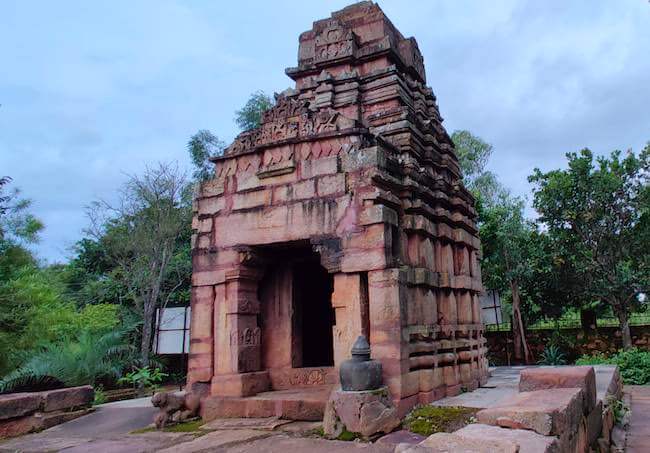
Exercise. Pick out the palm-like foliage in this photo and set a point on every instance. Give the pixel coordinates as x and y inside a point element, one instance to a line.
<point>86,360</point>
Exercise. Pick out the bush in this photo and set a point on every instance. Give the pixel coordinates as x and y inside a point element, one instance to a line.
<point>90,359</point>
<point>634,364</point>
<point>552,355</point>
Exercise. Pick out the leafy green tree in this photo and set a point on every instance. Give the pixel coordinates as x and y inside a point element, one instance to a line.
<point>599,210</point>
<point>250,115</point>
<point>203,146</point>
<point>473,155</point>
<point>505,239</point>
<point>18,229</point>
<point>146,239</point>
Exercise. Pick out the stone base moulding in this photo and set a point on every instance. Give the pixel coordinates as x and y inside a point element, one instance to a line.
<point>240,384</point>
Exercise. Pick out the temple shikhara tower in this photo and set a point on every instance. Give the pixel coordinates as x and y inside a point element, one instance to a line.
<point>342,214</point>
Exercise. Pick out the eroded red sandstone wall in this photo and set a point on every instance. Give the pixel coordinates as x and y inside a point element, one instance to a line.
<point>355,161</point>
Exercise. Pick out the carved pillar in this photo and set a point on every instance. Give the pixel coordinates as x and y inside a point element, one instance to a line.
<point>237,335</point>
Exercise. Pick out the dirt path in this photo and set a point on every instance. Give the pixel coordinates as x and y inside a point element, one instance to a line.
<point>638,436</point>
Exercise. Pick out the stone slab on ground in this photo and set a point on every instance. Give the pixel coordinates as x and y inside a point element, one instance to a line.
<point>283,443</point>
<point>217,439</point>
<point>300,427</point>
<point>547,412</point>
<point>528,441</point>
<point>451,442</point>
<point>265,424</point>
<point>401,437</point>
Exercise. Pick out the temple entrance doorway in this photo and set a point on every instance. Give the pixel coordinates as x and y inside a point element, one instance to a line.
<point>313,313</point>
<point>296,314</point>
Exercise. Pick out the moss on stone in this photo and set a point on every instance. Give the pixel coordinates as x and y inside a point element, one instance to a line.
<point>348,435</point>
<point>426,420</point>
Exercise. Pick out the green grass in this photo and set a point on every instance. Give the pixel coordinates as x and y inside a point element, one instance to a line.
<point>348,436</point>
<point>185,427</point>
<point>426,420</point>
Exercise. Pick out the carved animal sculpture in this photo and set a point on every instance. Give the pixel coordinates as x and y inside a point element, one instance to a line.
<point>175,407</point>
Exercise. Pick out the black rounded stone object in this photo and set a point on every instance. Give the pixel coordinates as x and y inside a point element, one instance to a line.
<point>360,373</point>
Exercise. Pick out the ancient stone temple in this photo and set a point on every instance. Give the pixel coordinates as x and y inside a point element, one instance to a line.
<point>342,214</point>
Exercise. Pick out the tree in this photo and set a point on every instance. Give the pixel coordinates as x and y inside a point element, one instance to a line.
<point>146,235</point>
<point>250,115</point>
<point>473,154</point>
<point>505,239</point>
<point>599,210</point>
<point>17,225</point>
<point>203,146</point>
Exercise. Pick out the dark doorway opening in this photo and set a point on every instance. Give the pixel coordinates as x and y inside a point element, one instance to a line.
<point>296,315</point>
<point>313,313</point>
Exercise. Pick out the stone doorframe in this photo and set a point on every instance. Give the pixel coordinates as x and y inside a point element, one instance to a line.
<point>238,337</point>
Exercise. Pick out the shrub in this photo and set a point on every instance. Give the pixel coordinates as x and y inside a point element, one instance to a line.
<point>552,355</point>
<point>89,359</point>
<point>143,377</point>
<point>634,364</point>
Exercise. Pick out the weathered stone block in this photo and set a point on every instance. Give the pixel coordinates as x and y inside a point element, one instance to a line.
<point>68,398</point>
<point>367,413</point>
<point>17,404</point>
<point>561,377</point>
<point>527,441</point>
<point>547,412</point>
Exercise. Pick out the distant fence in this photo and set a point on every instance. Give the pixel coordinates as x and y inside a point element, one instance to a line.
<point>573,322</point>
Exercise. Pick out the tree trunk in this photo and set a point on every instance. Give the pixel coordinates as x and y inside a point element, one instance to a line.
<point>588,320</point>
<point>521,351</point>
<point>147,326</point>
<point>624,321</point>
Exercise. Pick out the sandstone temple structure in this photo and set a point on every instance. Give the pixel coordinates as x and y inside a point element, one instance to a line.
<point>342,214</point>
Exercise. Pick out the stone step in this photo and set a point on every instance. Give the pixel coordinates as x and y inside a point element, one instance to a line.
<point>306,404</point>
<point>547,412</point>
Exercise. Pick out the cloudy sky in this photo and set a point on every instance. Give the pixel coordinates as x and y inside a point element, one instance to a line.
<point>93,91</point>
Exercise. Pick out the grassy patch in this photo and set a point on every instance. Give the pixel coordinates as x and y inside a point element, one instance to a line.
<point>148,429</point>
<point>426,420</point>
<point>185,427</point>
<point>348,436</point>
<point>192,426</point>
